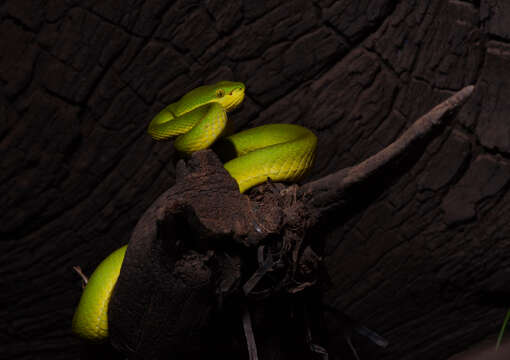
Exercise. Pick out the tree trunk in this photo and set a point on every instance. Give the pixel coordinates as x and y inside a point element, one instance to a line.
<point>418,256</point>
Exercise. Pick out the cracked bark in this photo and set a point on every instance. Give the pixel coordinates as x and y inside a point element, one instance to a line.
<point>421,251</point>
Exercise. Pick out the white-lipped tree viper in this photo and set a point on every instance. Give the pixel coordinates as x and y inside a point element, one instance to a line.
<point>282,152</point>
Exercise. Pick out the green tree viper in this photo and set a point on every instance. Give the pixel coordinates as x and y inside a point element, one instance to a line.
<point>282,152</point>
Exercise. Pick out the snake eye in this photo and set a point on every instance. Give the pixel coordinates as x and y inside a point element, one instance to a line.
<point>220,93</point>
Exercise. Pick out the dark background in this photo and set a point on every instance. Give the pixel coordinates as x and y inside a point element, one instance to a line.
<point>425,262</point>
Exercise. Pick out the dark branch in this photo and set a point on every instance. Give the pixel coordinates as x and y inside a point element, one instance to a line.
<point>326,193</point>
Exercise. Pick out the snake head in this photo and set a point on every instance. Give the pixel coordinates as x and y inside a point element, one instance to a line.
<point>228,94</point>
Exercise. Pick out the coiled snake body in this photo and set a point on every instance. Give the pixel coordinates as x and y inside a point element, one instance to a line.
<point>282,152</point>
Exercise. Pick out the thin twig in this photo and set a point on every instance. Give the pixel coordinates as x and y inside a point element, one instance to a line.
<point>265,265</point>
<point>248,333</point>
<point>315,348</point>
<point>84,278</point>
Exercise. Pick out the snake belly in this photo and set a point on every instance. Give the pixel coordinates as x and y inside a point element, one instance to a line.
<point>281,152</point>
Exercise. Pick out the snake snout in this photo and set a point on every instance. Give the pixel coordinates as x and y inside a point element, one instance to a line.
<point>239,89</point>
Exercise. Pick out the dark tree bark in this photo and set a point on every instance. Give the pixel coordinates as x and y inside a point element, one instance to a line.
<point>420,257</point>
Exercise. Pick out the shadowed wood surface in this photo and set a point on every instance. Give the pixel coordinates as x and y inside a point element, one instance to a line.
<point>422,260</point>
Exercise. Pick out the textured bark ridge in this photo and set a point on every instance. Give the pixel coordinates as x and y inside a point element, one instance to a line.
<point>195,246</point>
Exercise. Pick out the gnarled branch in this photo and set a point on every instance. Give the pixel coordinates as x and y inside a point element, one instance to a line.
<point>324,194</point>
